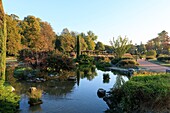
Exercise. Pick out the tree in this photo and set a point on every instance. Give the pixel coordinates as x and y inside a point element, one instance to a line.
<point>78,46</point>
<point>142,48</point>
<point>161,43</point>
<point>13,35</point>
<point>108,48</point>
<point>46,39</point>
<point>2,42</point>
<point>82,41</point>
<point>65,42</point>
<point>100,46</point>
<point>120,46</point>
<point>30,31</point>
<point>89,39</point>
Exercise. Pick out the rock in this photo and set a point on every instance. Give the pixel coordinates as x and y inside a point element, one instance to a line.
<point>101,93</point>
<point>31,89</point>
<point>12,89</point>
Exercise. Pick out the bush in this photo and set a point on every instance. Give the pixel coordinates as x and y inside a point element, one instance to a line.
<point>9,101</point>
<point>35,96</point>
<point>115,61</point>
<point>56,63</point>
<point>102,65</point>
<point>85,59</point>
<point>22,72</point>
<point>149,57</point>
<point>149,92</point>
<point>151,53</point>
<point>164,58</point>
<point>127,63</point>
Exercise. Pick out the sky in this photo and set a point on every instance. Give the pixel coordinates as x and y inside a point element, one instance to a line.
<point>138,20</point>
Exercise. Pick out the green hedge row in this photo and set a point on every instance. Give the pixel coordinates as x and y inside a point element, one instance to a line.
<point>149,93</point>
<point>164,58</point>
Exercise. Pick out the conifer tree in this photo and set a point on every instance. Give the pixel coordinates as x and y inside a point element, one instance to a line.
<point>2,42</point>
<point>78,46</point>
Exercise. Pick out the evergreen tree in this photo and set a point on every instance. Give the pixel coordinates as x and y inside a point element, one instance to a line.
<point>78,47</point>
<point>2,42</point>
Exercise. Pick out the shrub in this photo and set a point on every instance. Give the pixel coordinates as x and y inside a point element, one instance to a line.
<point>164,58</point>
<point>56,63</point>
<point>149,92</point>
<point>35,96</point>
<point>85,59</point>
<point>22,72</point>
<point>151,53</point>
<point>9,101</point>
<point>115,61</point>
<point>149,57</point>
<point>127,63</point>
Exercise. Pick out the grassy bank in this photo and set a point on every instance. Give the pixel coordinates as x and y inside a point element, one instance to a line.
<point>143,93</point>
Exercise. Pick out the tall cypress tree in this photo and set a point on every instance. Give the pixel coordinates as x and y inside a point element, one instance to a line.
<point>2,42</point>
<point>78,46</point>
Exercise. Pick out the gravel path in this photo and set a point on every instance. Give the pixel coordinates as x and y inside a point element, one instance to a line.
<point>151,66</point>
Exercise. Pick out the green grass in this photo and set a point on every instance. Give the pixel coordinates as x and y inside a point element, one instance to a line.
<point>160,63</point>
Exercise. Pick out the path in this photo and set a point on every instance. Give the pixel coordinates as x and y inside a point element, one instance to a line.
<point>152,66</point>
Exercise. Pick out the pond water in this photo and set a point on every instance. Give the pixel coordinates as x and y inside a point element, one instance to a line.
<point>68,96</point>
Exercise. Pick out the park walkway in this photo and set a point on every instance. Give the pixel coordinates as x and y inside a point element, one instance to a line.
<point>151,66</point>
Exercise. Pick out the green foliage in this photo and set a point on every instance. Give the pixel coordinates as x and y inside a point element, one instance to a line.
<point>30,31</point>
<point>66,42</point>
<point>141,91</point>
<point>115,61</point>
<point>56,63</point>
<point>85,59</point>
<point>164,59</point>
<point>22,72</point>
<point>9,101</point>
<point>108,48</point>
<point>78,46</point>
<point>151,53</point>
<point>150,57</point>
<point>127,64</point>
<point>89,39</point>
<point>120,46</point>
<point>160,43</point>
<point>100,46</point>
<point>13,35</point>
<point>102,65</point>
<point>3,35</point>
<point>35,96</point>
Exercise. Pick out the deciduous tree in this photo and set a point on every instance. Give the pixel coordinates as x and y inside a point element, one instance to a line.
<point>120,46</point>
<point>100,46</point>
<point>13,35</point>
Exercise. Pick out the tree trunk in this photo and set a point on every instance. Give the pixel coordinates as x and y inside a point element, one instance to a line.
<point>2,42</point>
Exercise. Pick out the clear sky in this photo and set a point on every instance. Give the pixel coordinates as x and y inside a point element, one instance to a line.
<point>139,20</point>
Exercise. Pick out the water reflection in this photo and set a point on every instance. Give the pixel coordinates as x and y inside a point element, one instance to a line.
<point>67,96</point>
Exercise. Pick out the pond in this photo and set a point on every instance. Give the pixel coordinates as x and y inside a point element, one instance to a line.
<point>68,96</point>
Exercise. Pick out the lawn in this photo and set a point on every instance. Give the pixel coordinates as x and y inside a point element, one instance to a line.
<point>160,63</point>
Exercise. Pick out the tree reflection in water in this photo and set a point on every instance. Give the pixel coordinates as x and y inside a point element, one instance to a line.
<point>53,87</point>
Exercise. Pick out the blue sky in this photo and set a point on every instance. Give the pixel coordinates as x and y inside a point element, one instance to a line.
<point>139,20</point>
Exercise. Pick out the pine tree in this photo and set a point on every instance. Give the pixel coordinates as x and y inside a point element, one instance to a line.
<point>2,42</point>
